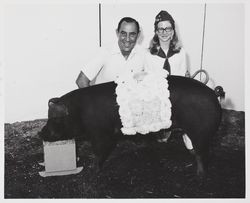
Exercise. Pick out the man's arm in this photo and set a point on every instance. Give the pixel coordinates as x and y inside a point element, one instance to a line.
<point>91,69</point>
<point>82,80</point>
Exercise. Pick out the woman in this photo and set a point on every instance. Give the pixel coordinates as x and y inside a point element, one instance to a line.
<point>166,52</point>
<point>165,49</point>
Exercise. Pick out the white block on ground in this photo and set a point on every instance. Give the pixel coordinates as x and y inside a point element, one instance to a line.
<point>60,158</point>
<point>60,173</point>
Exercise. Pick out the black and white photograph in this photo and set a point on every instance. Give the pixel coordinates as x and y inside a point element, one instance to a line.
<point>123,100</point>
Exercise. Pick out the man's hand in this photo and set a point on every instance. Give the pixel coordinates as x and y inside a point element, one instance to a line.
<point>82,80</point>
<point>139,76</point>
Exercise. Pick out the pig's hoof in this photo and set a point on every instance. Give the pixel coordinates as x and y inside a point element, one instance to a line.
<point>163,138</point>
<point>95,168</point>
<point>191,151</point>
<point>95,171</point>
<point>201,175</point>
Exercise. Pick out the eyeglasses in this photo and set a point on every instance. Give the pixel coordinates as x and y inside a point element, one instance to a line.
<point>166,29</point>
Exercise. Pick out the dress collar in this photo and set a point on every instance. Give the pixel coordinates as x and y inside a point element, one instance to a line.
<point>170,53</point>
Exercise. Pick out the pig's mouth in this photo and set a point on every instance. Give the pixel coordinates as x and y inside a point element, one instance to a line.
<point>54,130</point>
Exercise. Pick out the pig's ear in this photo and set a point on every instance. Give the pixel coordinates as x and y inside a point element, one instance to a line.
<point>57,109</point>
<point>53,101</point>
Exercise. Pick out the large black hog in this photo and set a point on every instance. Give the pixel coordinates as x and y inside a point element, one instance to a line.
<point>92,112</point>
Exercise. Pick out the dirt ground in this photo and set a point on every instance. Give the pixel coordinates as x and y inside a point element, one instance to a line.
<point>133,169</point>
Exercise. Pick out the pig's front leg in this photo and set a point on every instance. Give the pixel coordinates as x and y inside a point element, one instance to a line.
<point>103,143</point>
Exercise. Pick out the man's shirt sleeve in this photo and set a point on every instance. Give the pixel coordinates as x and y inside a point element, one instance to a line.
<point>95,64</point>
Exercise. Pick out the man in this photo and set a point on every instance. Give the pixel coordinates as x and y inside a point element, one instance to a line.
<point>123,56</point>
<point>110,63</point>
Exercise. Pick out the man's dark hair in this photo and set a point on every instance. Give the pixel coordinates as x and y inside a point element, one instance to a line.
<point>128,20</point>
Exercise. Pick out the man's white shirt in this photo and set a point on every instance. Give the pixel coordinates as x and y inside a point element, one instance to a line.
<point>109,63</point>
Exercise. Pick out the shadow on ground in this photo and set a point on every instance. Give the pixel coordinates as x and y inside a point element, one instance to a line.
<point>134,170</point>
